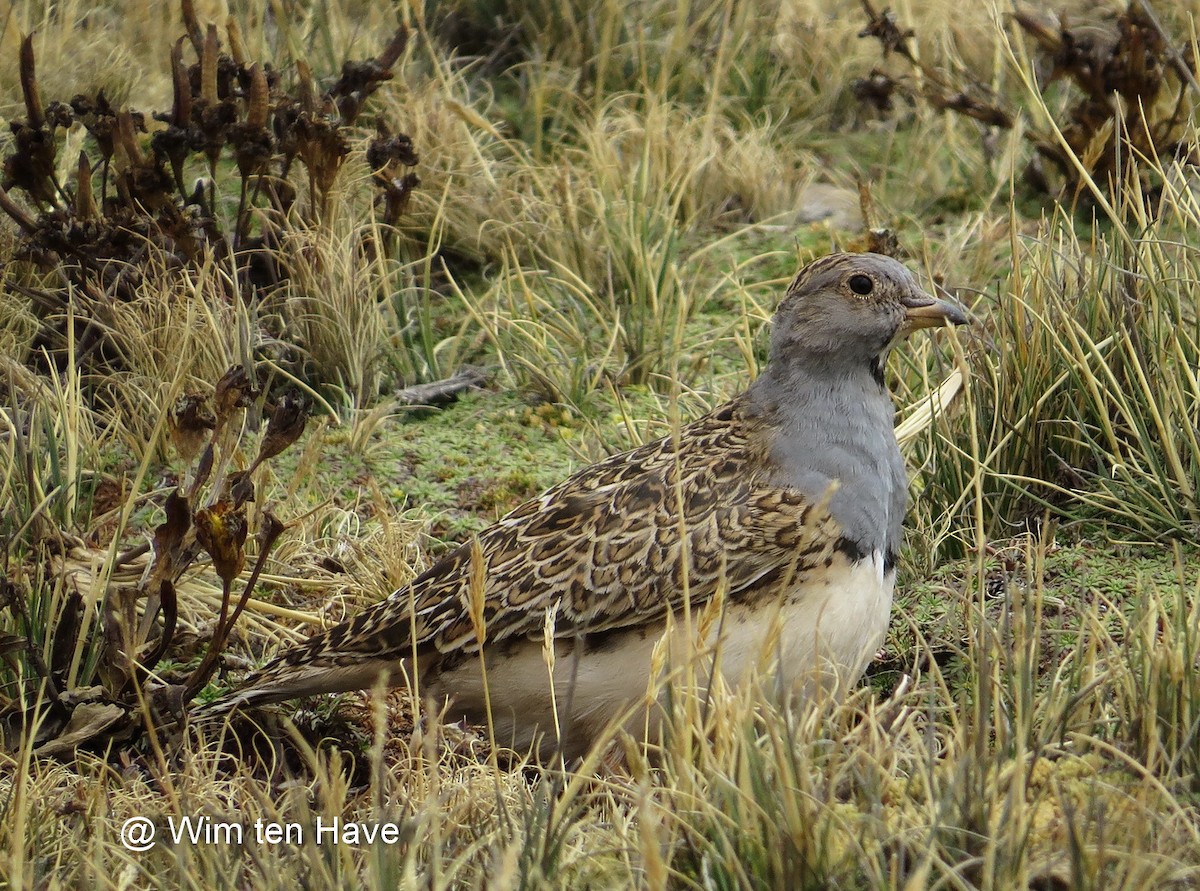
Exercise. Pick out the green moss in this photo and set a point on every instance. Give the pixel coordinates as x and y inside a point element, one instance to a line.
<point>468,463</point>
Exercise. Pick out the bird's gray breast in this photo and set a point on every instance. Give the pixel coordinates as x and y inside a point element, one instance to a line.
<point>844,432</point>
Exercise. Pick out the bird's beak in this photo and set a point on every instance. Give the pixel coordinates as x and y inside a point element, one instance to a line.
<point>923,311</point>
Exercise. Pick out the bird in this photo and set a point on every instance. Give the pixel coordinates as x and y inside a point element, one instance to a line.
<point>783,505</point>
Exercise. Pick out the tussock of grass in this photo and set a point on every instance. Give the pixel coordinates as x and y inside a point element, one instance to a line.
<point>1088,403</point>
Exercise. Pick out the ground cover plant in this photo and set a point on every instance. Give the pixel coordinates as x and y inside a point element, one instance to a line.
<point>293,297</point>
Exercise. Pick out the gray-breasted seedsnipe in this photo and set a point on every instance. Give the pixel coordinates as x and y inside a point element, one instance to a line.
<point>788,499</point>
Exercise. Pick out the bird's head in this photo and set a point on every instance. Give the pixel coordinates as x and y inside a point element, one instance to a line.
<point>848,309</point>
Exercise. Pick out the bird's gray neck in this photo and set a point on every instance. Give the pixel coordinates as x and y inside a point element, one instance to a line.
<point>834,421</point>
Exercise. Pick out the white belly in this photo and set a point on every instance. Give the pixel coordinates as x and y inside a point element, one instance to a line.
<point>821,636</point>
<point>828,629</point>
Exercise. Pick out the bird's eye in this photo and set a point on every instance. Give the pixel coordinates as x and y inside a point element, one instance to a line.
<point>861,284</point>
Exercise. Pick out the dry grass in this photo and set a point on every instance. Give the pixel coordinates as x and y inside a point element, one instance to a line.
<point>607,212</point>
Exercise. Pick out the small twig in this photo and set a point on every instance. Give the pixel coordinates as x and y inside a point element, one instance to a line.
<point>170,605</point>
<point>132,554</point>
<point>19,216</point>
<point>469,377</point>
<point>266,540</point>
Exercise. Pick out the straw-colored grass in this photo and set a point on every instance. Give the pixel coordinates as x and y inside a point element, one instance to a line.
<point>610,205</point>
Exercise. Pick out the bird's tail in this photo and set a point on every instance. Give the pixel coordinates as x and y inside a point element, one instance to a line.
<point>281,680</point>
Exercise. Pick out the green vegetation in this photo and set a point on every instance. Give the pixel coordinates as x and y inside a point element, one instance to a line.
<point>609,207</point>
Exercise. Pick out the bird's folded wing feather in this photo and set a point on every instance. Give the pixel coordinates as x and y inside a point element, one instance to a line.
<point>609,546</point>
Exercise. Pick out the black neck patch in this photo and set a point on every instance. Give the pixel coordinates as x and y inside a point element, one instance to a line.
<point>850,548</point>
<point>889,561</point>
<point>856,553</point>
<point>877,370</point>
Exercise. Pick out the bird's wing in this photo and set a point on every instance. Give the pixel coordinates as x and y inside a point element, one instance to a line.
<point>609,547</point>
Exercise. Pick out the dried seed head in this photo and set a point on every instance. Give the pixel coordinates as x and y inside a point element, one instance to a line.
<point>192,23</point>
<point>308,90</point>
<point>85,200</point>
<point>29,85</point>
<point>395,48</point>
<point>233,391</point>
<point>387,155</point>
<point>241,487</point>
<point>181,110</point>
<point>31,166</point>
<point>168,535</point>
<point>59,114</point>
<point>285,427</point>
<point>237,48</point>
<point>477,586</point>
<point>208,66</point>
<point>257,103</point>
<point>251,140</point>
<point>387,149</point>
<point>269,529</point>
<point>127,141</point>
<point>99,118</point>
<point>190,421</point>
<point>221,531</point>
<point>876,90</point>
